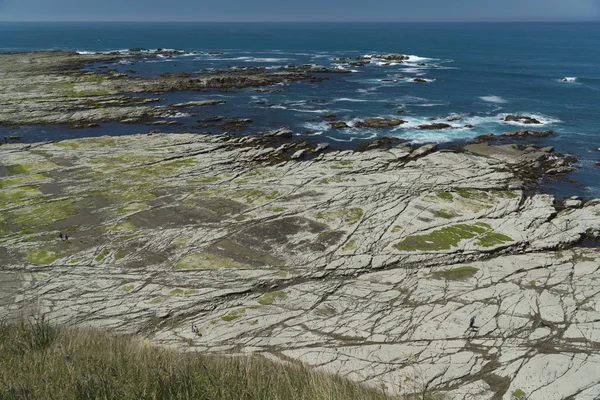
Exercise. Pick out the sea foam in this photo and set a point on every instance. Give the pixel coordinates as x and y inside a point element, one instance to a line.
<point>493,99</point>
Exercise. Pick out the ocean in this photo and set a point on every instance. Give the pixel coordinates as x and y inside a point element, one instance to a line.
<point>474,75</point>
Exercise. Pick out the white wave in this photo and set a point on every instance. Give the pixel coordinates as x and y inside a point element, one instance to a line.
<point>352,100</point>
<point>280,107</point>
<point>85,52</point>
<point>493,99</point>
<point>429,104</point>
<point>412,70</point>
<point>569,79</point>
<point>267,60</point>
<point>418,59</point>
<point>310,111</point>
<point>317,126</point>
<point>543,119</point>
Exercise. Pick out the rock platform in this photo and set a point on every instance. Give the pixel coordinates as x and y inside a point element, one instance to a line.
<point>364,264</point>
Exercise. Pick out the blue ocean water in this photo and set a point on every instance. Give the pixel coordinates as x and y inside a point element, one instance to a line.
<point>478,72</point>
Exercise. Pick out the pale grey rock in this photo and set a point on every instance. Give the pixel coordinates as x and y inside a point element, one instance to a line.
<point>369,265</point>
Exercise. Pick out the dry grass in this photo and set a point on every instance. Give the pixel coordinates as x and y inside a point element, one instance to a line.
<point>39,361</point>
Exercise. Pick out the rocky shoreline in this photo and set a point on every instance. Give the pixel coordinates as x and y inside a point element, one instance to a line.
<point>366,263</point>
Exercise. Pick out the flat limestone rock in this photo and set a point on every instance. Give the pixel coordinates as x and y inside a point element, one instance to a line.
<point>367,264</point>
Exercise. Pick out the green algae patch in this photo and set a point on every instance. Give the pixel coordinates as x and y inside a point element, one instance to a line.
<point>208,261</point>
<point>120,254</point>
<point>446,196</point>
<point>450,236</point>
<point>19,193</point>
<point>124,226</point>
<point>162,169</point>
<point>455,274</point>
<point>102,255</point>
<point>255,195</point>
<point>29,179</point>
<point>254,322</point>
<point>518,394</point>
<point>206,179</point>
<point>491,239</point>
<point>18,169</point>
<point>3,227</point>
<point>133,208</point>
<point>446,214</point>
<point>233,315</point>
<point>126,288</point>
<point>182,241</point>
<point>267,299</point>
<point>43,215</point>
<point>176,292</point>
<point>396,228</point>
<point>325,312</point>
<point>158,300</point>
<point>351,245</point>
<point>42,257</point>
<point>345,164</point>
<point>349,215</point>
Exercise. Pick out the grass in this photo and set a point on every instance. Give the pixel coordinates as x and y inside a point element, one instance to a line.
<point>39,361</point>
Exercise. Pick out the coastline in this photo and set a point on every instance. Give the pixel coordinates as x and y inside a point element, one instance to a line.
<point>368,264</point>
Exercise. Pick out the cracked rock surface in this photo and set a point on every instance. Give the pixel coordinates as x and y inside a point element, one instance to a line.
<point>369,265</point>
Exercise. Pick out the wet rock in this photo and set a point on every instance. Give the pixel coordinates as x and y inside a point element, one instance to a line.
<point>320,147</point>
<point>391,57</point>
<point>280,133</point>
<point>423,151</point>
<point>201,103</point>
<point>524,133</point>
<point>486,137</point>
<point>379,123</point>
<point>420,80</point>
<point>436,126</point>
<point>338,125</point>
<point>298,154</point>
<point>523,119</point>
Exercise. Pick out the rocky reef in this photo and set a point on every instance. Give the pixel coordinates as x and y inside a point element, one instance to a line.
<point>52,88</point>
<point>365,264</point>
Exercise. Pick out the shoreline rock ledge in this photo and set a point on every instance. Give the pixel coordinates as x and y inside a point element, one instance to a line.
<point>366,264</point>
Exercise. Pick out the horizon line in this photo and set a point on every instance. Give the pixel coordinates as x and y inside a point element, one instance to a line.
<point>311,22</point>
